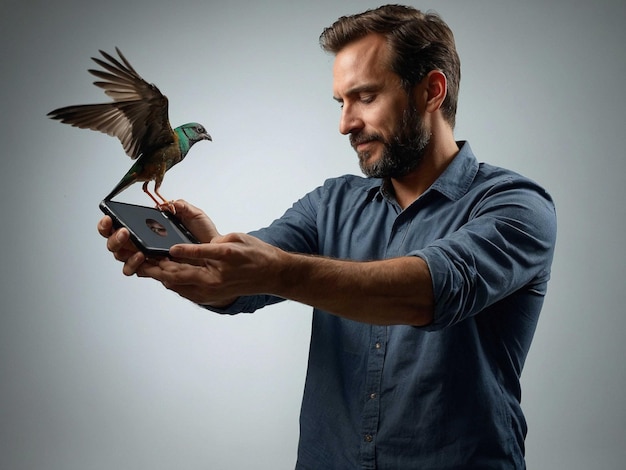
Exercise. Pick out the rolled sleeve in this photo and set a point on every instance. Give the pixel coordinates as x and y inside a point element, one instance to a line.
<point>245,304</point>
<point>506,245</point>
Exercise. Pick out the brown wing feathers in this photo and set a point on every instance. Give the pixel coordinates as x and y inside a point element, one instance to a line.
<point>138,116</point>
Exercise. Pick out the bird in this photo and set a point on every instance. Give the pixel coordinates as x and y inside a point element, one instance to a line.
<point>138,117</point>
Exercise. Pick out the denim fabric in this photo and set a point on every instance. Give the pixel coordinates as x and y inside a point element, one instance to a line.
<point>445,396</point>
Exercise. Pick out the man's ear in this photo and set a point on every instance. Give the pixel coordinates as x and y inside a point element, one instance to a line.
<point>436,88</point>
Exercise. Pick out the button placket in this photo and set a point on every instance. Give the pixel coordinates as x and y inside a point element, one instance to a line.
<point>371,405</point>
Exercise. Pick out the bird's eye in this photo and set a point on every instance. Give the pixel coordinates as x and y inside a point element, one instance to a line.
<point>200,129</point>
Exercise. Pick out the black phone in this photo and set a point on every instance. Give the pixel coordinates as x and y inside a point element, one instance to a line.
<point>151,230</point>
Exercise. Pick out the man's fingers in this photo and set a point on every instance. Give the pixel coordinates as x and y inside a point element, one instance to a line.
<point>105,226</point>
<point>189,251</point>
<point>184,210</point>
<point>132,264</point>
<point>198,223</point>
<point>117,240</point>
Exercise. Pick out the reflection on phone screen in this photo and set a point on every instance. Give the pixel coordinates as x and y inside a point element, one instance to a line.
<point>156,227</point>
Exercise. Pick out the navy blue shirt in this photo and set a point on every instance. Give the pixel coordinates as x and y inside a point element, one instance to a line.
<point>445,396</point>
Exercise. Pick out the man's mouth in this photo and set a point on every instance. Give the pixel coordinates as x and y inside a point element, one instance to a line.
<point>361,143</point>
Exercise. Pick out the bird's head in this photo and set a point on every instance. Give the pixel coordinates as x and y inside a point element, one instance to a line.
<point>195,132</point>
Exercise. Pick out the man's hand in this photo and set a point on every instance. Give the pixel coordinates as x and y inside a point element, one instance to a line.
<point>218,272</point>
<point>386,292</point>
<point>222,268</point>
<point>118,241</point>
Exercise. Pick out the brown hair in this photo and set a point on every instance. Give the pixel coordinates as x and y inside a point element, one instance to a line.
<point>420,42</point>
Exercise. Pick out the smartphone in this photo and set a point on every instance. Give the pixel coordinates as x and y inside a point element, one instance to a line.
<point>151,230</point>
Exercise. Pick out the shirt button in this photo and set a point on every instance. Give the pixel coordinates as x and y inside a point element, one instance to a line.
<point>372,396</point>
<point>369,438</point>
<point>378,345</point>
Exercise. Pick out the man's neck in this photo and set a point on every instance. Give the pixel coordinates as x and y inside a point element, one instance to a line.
<point>410,187</point>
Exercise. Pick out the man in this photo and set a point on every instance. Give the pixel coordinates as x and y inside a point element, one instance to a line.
<point>426,278</point>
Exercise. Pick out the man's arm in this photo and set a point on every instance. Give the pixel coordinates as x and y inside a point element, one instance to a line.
<point>217,272</point>
<point>385,292</point>
<point>393,291</point>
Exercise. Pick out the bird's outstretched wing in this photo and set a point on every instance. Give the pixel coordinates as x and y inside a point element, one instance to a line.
<point>138,115</point>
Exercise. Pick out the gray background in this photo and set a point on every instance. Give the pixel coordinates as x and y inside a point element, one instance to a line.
<point>99,371</point>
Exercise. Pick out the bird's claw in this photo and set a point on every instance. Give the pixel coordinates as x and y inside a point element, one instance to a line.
<point>167,206</point>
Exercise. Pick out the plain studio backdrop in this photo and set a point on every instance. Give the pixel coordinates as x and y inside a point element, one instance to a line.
<point>100,371</point>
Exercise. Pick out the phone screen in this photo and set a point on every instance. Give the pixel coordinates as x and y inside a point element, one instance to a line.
<point>151,230</point>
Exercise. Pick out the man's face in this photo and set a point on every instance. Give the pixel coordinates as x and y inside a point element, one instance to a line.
<point>385,126</point>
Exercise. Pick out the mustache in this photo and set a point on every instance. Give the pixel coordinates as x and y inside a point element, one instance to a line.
<point>356,139</point>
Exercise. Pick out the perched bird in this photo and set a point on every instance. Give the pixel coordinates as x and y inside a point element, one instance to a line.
<point>138,117</point>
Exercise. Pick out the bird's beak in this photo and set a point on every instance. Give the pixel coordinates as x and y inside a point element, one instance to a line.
<point>206,137</point>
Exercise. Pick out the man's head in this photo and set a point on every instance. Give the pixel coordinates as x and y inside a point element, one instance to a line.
<point>384,122</point>
<point>419,43</point>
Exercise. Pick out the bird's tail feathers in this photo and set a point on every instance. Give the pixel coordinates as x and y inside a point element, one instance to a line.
<point>119,187</point>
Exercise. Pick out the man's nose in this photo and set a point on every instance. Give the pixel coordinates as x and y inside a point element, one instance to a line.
<point>350,121</point>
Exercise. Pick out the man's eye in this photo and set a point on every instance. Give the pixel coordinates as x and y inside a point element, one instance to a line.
<point>366,99</point>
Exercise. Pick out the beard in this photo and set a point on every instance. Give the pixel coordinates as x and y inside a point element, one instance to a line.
<point>402,153</point>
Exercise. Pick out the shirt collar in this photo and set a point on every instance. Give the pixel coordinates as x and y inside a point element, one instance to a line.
<point>457,178</point>
<point>374,189</point>
<point>453,183</point>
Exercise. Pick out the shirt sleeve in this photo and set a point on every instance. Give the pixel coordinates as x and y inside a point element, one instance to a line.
<point>507,244</point>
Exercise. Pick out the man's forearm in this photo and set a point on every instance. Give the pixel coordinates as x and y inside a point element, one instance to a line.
<point>386,292</point>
